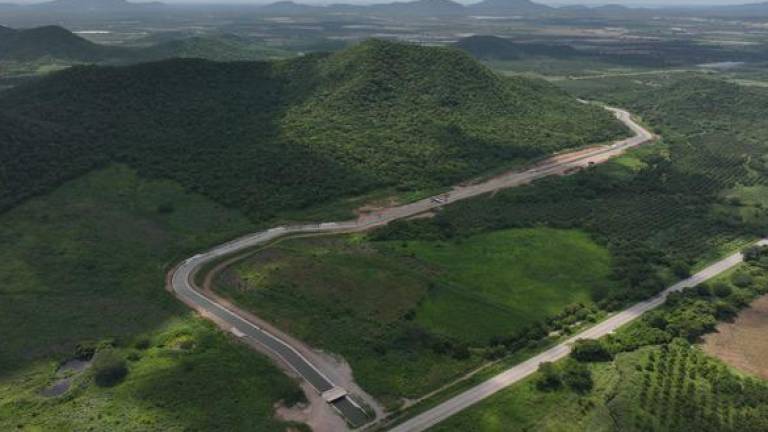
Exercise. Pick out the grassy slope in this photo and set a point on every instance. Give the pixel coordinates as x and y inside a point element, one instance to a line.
<point>296,133</point>
<point>388,307</point>
<point>86,263</point>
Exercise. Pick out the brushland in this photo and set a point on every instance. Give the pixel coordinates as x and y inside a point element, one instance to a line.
<point>82,273</point>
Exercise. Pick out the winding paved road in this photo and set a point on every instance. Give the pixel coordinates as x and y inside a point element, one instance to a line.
<point>183,284</point>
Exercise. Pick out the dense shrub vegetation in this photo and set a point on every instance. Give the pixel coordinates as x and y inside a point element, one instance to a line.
<point>589,350</point>
<point>572,374</point>
<point>108,368</point>
<point>82,272</point>
<point>264,137</point>
<point>695,312</point>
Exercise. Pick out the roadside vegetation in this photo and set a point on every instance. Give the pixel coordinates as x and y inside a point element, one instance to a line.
<point>411,316</point>
<point>82,275</point>
<point>659,380</point>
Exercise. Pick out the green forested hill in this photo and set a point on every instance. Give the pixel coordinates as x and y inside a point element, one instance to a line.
<point>52,41</point>
<point>266,137</point>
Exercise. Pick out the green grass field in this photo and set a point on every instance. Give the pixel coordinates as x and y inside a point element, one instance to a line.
<point>496,283</point>
<point>87,263</point>
<point>402,313</point>
<point>665,385</point>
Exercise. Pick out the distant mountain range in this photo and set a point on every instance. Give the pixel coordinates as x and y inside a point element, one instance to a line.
<point>506,8</point>
<point>78,8</point>
<point>417,7</point>
<point>502,8</point>
<point>96,5</point>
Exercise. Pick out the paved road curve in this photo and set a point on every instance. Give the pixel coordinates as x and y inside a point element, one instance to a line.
<point>230,319</point>
<point>462,401</point>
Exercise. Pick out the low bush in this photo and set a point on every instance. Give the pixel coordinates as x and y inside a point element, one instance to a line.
<point>109,368</point>
<point>588,350</point>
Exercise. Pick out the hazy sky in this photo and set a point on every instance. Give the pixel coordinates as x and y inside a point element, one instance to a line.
<point>549,2</point>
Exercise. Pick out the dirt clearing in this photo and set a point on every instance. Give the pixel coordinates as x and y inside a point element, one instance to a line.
<point>743,343</point>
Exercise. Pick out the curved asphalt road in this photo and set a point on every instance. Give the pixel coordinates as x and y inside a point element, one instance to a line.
<point>182,279</point>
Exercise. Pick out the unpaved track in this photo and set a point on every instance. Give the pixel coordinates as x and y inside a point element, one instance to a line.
<point>231,318</point>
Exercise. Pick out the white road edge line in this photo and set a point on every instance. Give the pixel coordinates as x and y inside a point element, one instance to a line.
<point>515,374</point>
<point>183,284</point>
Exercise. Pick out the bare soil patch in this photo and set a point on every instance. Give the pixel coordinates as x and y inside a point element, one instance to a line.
<point>743,343</point>
<point>377,206</point>
<point>64,376</point>
<point>316,414</point>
